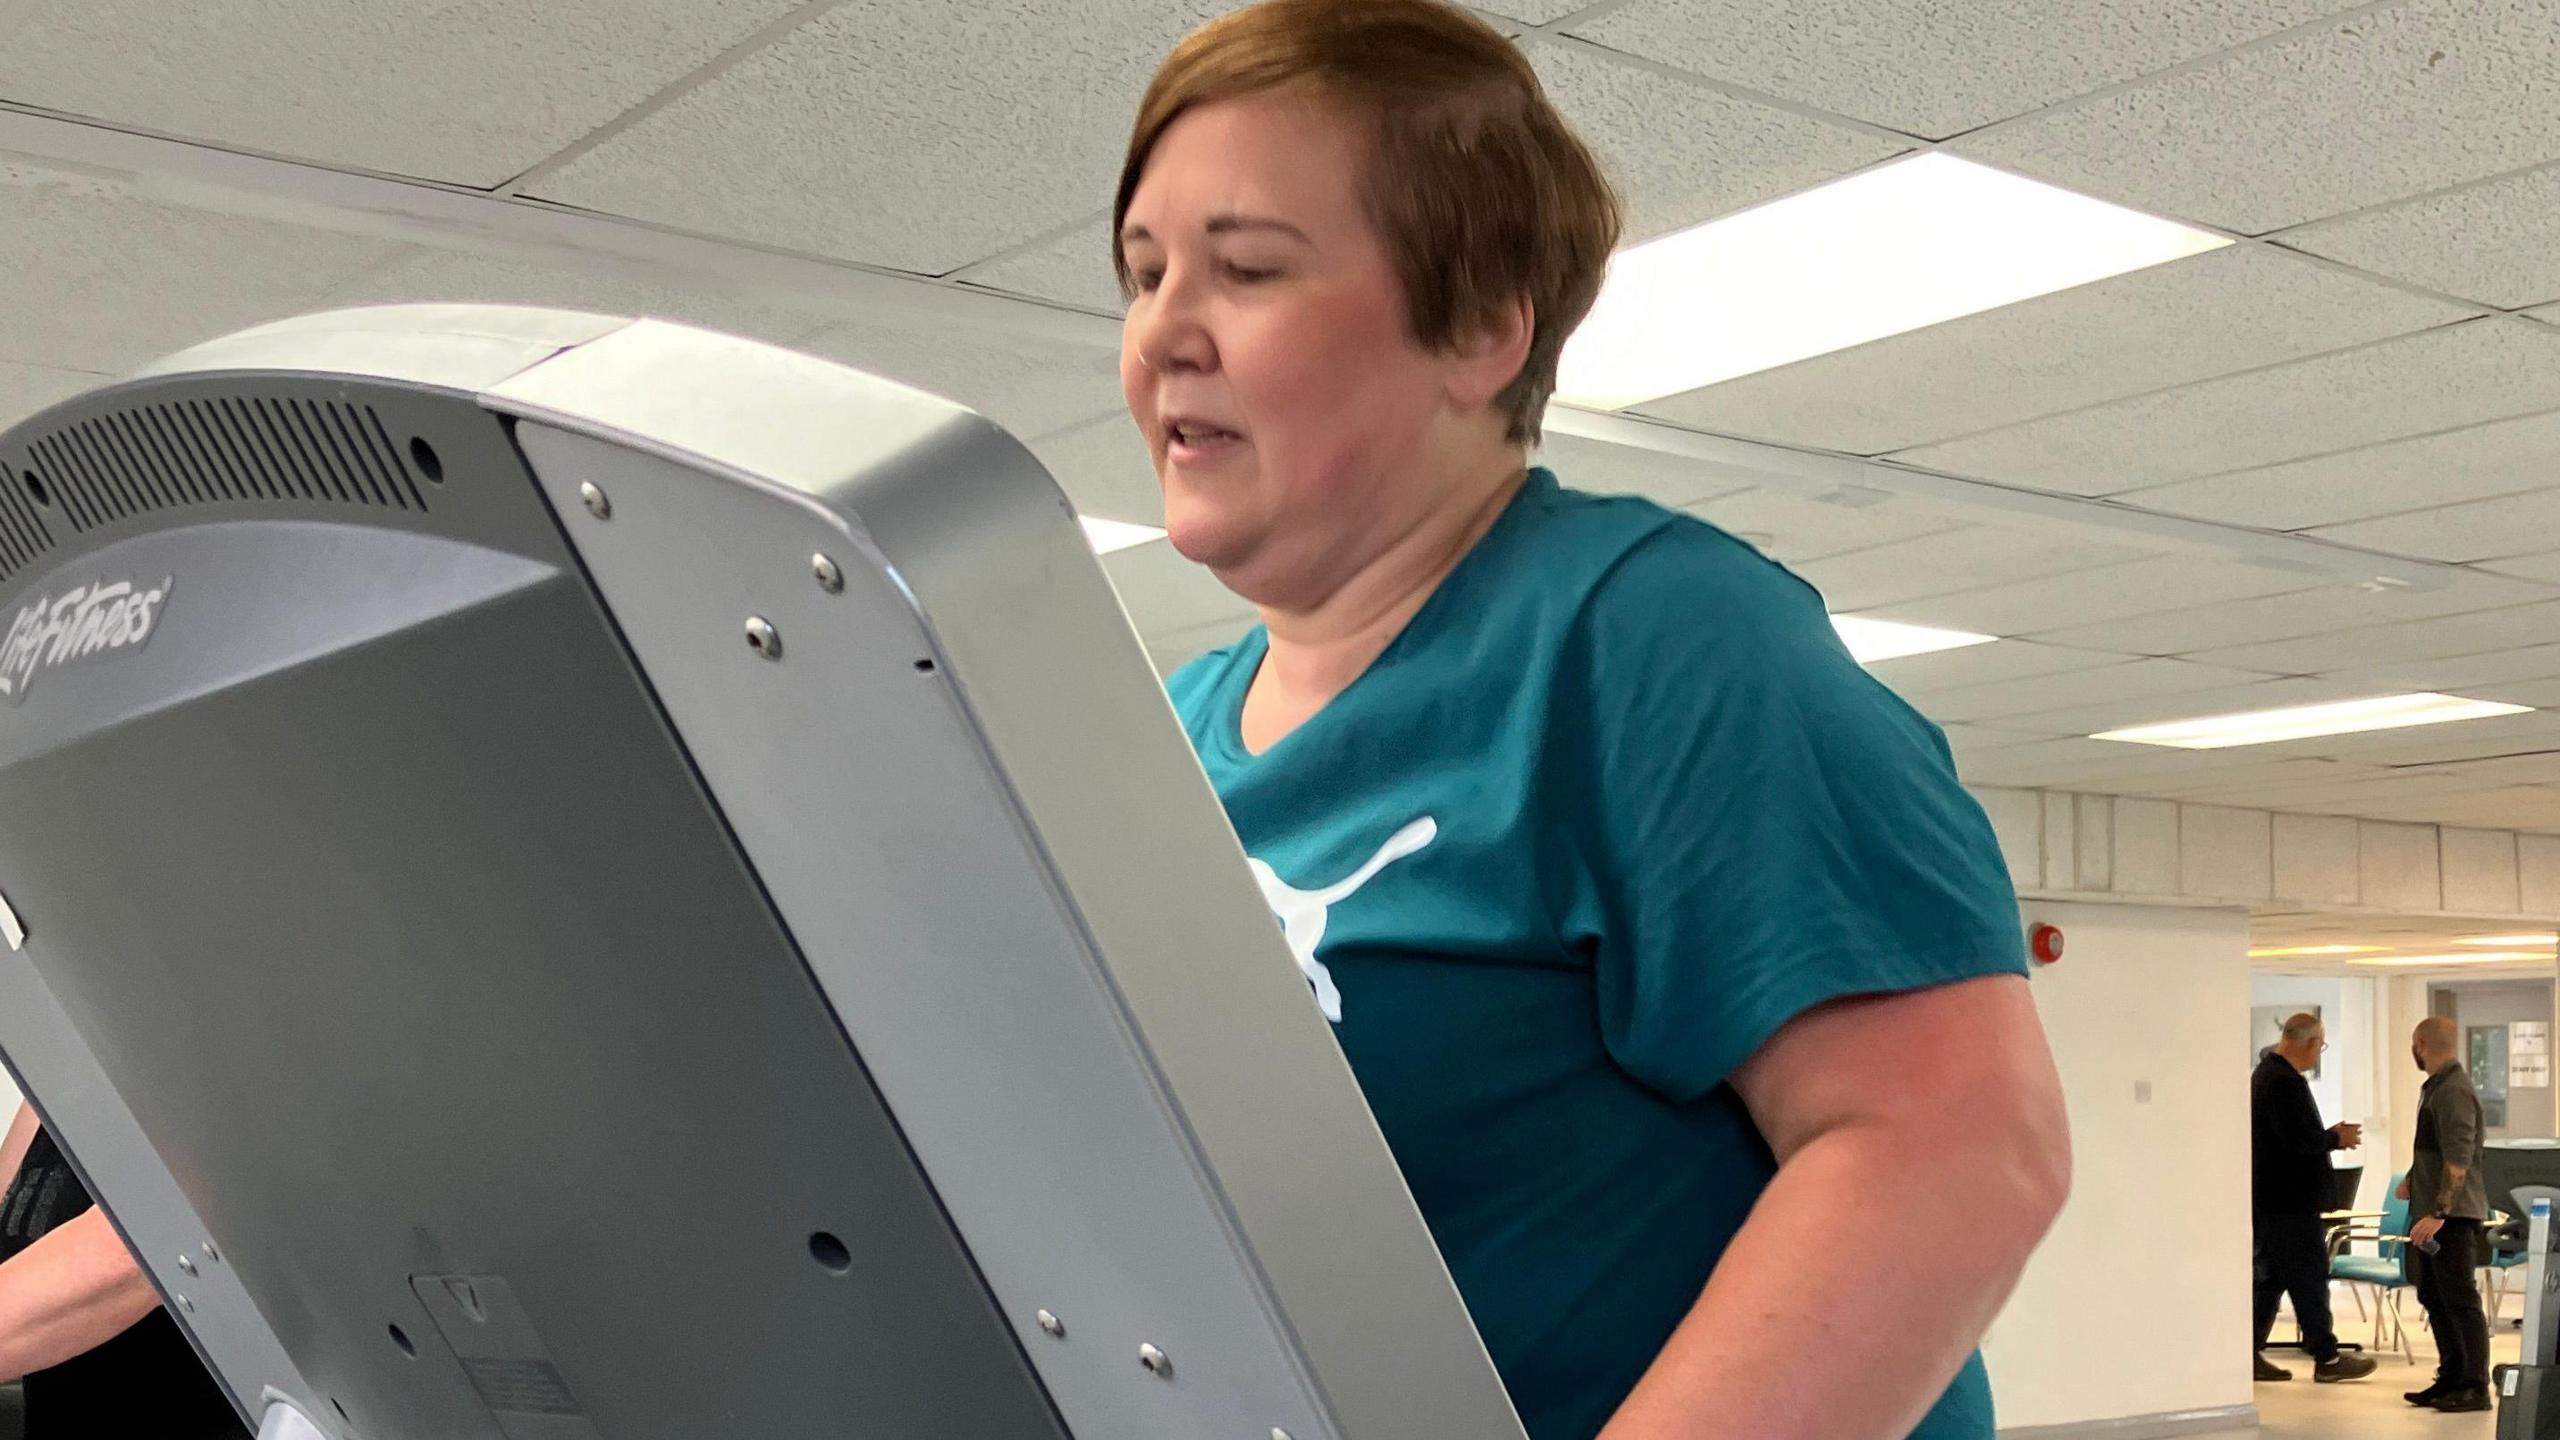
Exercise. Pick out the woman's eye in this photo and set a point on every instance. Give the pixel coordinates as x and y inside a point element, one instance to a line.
<point>1248,275</point>
<point>1146,280</point>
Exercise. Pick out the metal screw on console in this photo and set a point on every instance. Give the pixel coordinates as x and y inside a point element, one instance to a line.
<point>187,1264</point>
<point>597,504</point>
<point>830,578</point>
<point>763,638</point>
<point>1052,1326</point>
<point>1158,1363</point>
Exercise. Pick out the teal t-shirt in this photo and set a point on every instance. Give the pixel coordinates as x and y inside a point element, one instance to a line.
<point>1615,807</point>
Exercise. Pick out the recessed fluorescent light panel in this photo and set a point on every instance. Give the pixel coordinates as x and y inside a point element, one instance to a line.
<point>2475,957</point>
<point>2544,939</point>
<point>1872,640</point>
<point>2291,951</point>
<point>1907,244</point>
<point>2304,722</point>
<point>1109,535</point>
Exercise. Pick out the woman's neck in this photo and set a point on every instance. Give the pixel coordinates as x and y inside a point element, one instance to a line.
<point>1316,653</point>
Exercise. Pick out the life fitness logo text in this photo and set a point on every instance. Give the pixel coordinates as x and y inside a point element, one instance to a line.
<point>92,619</point>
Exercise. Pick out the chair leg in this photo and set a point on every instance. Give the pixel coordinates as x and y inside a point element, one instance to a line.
<point>2356,1293</point>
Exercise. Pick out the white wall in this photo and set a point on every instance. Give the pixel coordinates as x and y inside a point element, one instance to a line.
<point>2408,1007</point>
<point>2138,1303</point>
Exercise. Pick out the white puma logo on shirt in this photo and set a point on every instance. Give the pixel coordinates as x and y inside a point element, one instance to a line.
<point>1302,913</point>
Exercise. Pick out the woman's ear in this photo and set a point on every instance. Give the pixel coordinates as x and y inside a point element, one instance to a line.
<point>1487,357</point>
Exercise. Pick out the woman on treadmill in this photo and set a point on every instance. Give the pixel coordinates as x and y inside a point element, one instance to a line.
<point>81,1329</point>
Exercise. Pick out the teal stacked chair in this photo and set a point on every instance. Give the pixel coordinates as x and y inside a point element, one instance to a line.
<point>2385,1271</point>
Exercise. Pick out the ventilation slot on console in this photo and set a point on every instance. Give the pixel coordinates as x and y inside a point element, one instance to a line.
<point>203,452</point>
<point>22,535</point>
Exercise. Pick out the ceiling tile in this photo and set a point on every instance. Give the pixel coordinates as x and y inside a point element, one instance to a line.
<point>26,389</point>
<point>1599,468</point>
<point>1030,387</point>
<point>2071,714</point>
<point>2499,458</point>
<point>2445,635</point>
<point>2396,101</point>
<point>1924,675</point>
<point>2475,530</point>
<point>1167,595</point>
<point>2544,568</point>
<point>103,281</point>
<point>2133,680</point>
<point>1074,269</point>
<point>2547,314</point>
<point>916,136</point>
<point>2090,756</point>
<point>1967,740</point>
<point>2096,766</point>
<point>2409,781</point>
<point>1937,67</point>
<point>2219,772</point>
<point>2232,309</point>
<point>1951,561</point>
<point>2541,694</point>
<point>2436,380</point>
<point>1533,12</point>
<point>2490,243</point>
<point>2282,617</point>
<point>472,92</point>
<point>607,287</point>
<point>2457,673</point>
<point>2162,582</point>
<point>1681,153</point>
<point>2424,745</point>
<point>2540,767</point>
<point>1794,528</point>
<point>1105,469</point>
<point>2355,797</point>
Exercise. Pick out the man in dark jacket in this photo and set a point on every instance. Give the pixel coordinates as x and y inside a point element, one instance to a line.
<point>2292,1184</point>
<point>2449,1210</point>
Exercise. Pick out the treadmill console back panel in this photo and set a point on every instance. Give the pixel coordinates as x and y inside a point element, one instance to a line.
<point>380,780</point>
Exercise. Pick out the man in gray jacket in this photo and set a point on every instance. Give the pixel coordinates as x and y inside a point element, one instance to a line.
<point>2450,1207</point>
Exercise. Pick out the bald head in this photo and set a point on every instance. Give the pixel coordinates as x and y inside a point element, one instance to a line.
<point>2433,1043</point>
<point>2302,1041</point>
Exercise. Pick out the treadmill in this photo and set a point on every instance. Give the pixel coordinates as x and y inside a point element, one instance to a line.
<point>575,878</point>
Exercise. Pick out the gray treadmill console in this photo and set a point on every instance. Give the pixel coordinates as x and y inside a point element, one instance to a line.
<point>583,878</point>
<point>2529,1391</point>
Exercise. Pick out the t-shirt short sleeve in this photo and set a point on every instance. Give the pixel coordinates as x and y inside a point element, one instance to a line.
<point>1767,826</point>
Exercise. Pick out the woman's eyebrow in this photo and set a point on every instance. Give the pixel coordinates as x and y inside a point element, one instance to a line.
<point>1225,224</point>
<point>1230,224</point>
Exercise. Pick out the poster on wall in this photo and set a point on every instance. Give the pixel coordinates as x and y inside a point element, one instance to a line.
<point>2529,1055</point>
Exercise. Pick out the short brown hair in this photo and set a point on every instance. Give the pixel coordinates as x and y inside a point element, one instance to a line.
<point>1482,191</point>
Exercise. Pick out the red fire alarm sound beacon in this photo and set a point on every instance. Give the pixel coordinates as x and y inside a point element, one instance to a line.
<point>2045,943</point>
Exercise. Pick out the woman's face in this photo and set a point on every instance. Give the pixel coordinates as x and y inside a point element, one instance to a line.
<point>1267,356</point>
